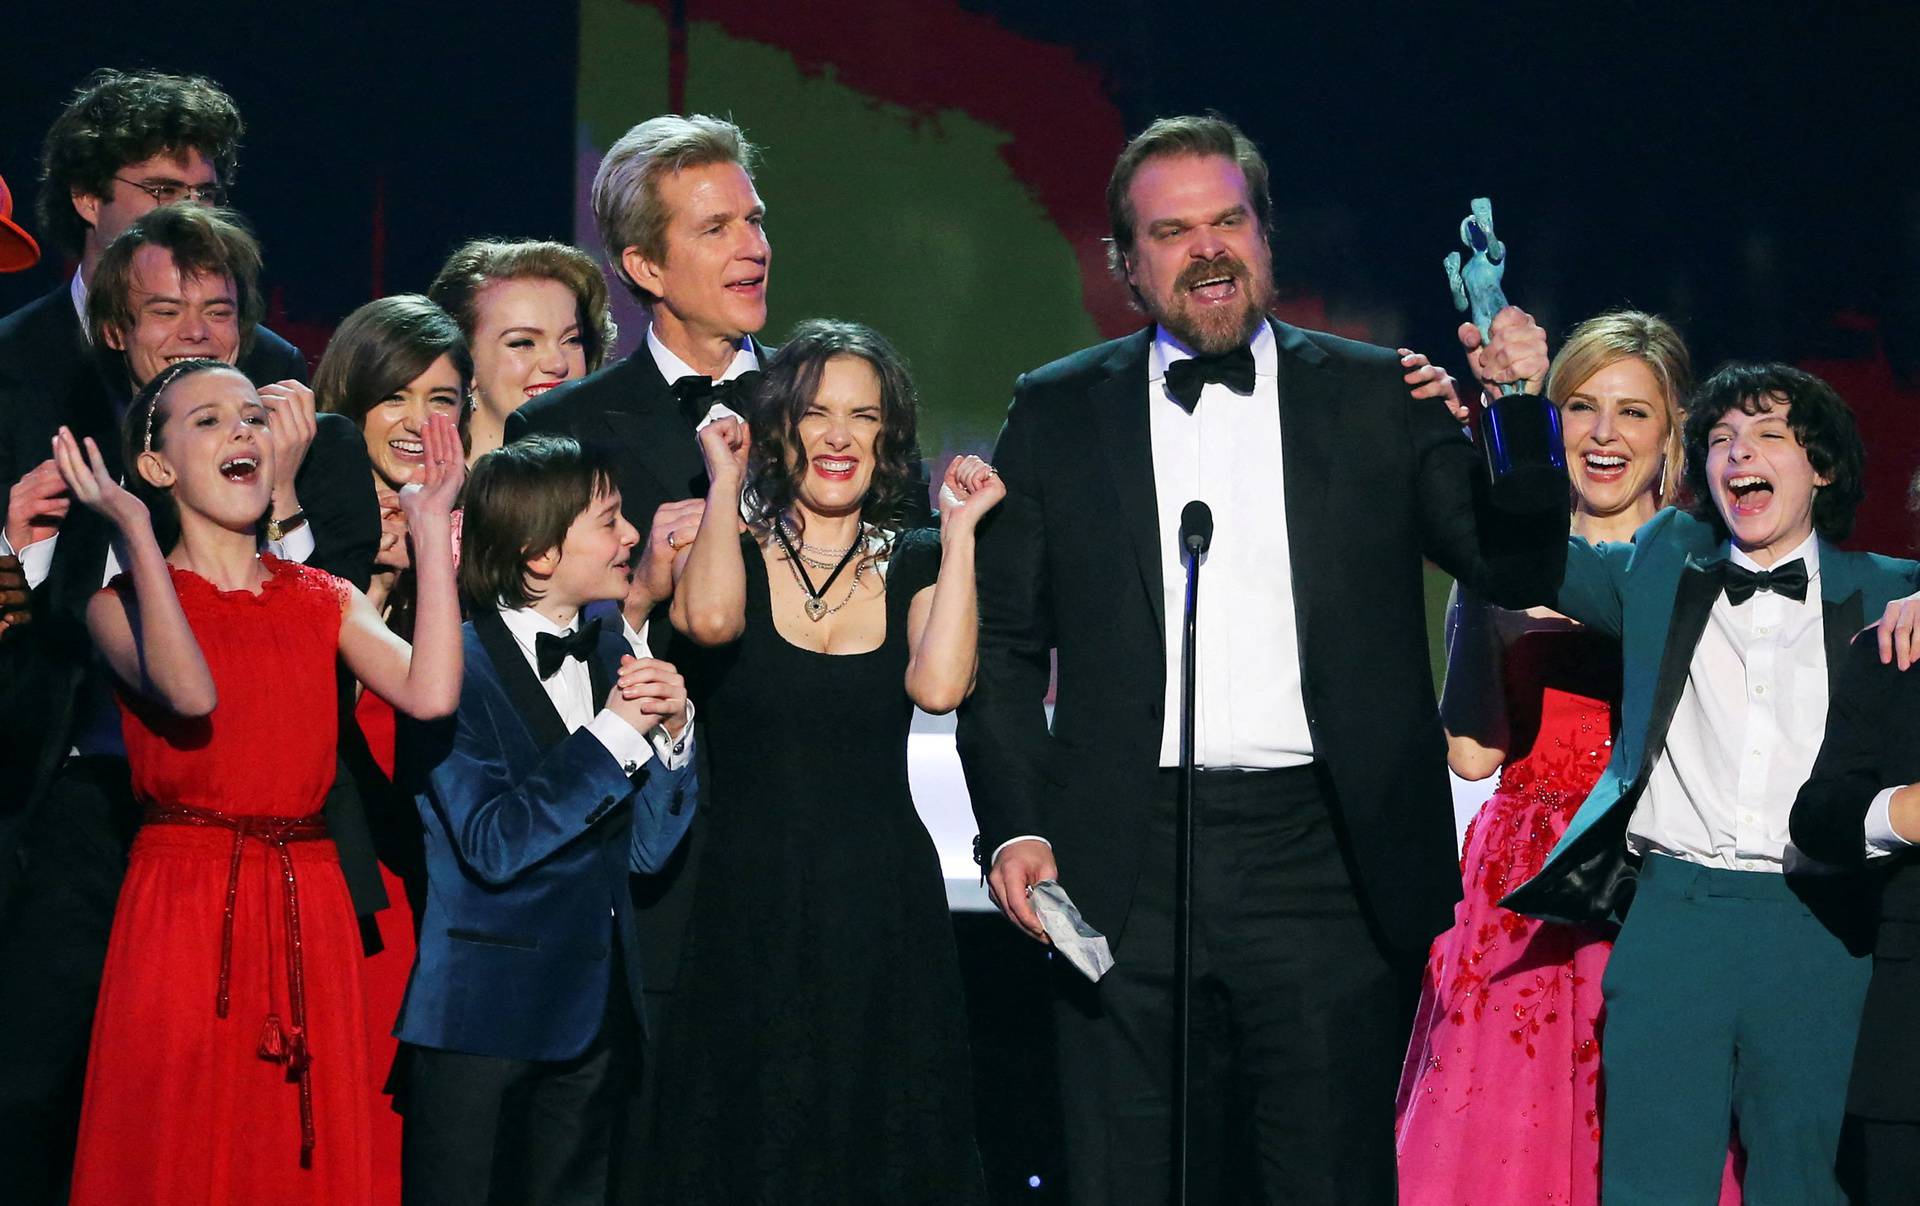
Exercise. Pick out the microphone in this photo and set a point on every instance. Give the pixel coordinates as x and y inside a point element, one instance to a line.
<point>1196,527</point>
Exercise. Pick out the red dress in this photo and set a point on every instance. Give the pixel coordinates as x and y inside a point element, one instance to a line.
<point>184,1105</point>
<point>383,976</point>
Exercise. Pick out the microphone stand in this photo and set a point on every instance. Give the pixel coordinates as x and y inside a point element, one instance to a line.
<point>1194,544</point>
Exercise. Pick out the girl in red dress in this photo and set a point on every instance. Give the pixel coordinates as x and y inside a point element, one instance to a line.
<point>228,1061</point>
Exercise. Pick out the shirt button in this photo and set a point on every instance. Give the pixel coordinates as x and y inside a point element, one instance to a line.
<point>1764,630</point>
<point>1760,689</point>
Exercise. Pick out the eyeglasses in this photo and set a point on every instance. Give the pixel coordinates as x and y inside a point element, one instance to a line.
<point>166,192</point>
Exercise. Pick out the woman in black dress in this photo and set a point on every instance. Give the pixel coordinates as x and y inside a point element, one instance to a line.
<point>816,1050</point>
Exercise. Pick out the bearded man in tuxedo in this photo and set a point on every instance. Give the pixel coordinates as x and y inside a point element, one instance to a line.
<point>1324,855</point>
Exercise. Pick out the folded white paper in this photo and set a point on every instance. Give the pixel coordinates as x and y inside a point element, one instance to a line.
<point>1084,946</point>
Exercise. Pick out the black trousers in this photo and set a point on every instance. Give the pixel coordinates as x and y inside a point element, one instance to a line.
<point>483,1130</point>
<point>1880,1161</point>
<point>53,948</point>
<point>1299,1020</point>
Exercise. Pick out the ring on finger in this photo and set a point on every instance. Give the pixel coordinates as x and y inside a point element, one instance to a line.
<point>673,541</point>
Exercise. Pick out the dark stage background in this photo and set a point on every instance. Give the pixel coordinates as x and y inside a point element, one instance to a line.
<point>936,168</point>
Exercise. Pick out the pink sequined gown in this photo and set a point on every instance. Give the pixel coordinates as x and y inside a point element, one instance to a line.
<point>1499,1102</point>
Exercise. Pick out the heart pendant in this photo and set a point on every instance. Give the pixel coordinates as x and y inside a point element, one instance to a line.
<point>815,610</point>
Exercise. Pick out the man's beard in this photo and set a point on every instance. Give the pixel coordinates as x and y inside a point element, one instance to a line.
<point>1212,329</point>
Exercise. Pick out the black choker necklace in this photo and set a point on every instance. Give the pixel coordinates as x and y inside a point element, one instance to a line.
<point>816,607</point>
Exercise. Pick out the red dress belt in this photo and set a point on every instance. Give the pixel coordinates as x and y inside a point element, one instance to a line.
<point>280,1044</point>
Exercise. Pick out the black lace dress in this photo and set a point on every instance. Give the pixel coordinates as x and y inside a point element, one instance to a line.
<point>816,1050</point>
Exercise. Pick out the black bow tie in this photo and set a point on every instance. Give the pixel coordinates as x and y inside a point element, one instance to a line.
<point>550,651</point>
<point>697,394</point>
<point>1186,378</point>
<point>1789,580</point>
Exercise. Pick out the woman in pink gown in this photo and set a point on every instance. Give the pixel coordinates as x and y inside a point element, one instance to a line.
<point>1501,1098</point>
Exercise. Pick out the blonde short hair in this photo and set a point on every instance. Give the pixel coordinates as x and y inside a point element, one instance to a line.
<point>1652,340</point>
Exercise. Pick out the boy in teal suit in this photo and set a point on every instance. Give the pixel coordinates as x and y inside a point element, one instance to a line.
<point>1734,989</point>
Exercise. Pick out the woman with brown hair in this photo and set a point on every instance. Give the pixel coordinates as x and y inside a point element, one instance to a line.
<point>391,367</point>
<point>816,1050</point>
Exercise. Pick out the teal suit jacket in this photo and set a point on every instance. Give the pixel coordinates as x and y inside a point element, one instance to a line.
<point>1654,596</point>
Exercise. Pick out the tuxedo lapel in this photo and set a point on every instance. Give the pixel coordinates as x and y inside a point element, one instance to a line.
<point>1309,408</point>
<point>644,419</point>
<point>95,413</point>
<point>79,562</point>
<point>84,381</point>
<point>1700,585</point>
<point>1842,611</point>
<point>1842,620</point>
<point>600,668</point>
<point>1121,416</point>
<point>519,681</point>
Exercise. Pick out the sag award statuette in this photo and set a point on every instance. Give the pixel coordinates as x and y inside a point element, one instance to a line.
<point>1521,432</point>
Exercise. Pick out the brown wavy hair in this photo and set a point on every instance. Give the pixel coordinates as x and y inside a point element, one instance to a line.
<point>483,261</point>
<point>791,381</point>
<point>122,117</point>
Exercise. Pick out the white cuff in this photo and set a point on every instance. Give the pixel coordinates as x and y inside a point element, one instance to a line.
<point>1025,837</point>
<point>296,545</point>
<point>673,754</point>
<point>36,561</point>
<point>628,745</point>
<point>1881,838</point>
<point>636,637</point>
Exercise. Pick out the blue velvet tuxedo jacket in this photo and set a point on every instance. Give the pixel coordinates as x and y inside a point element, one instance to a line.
<point>531,833</point>
<point>1654,596</point>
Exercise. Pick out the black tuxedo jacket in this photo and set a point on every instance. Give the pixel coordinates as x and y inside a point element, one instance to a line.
<point>1070,564</point>
<point>50,376</point>
<point>629,409</point>
<point>1873,743</point>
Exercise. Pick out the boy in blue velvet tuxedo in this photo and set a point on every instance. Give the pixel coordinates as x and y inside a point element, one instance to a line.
<point>1734,990</point>
<point>567,765</point>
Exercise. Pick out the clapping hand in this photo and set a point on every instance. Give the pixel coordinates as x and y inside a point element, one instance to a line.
<point>89,482</point>
<point>393,554</point>
<point>971,489</point>
<point>673,528</point>
<point>649,692</point>
<point>290,429</point>
<point>35,505</point>
<point>442,471</point>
